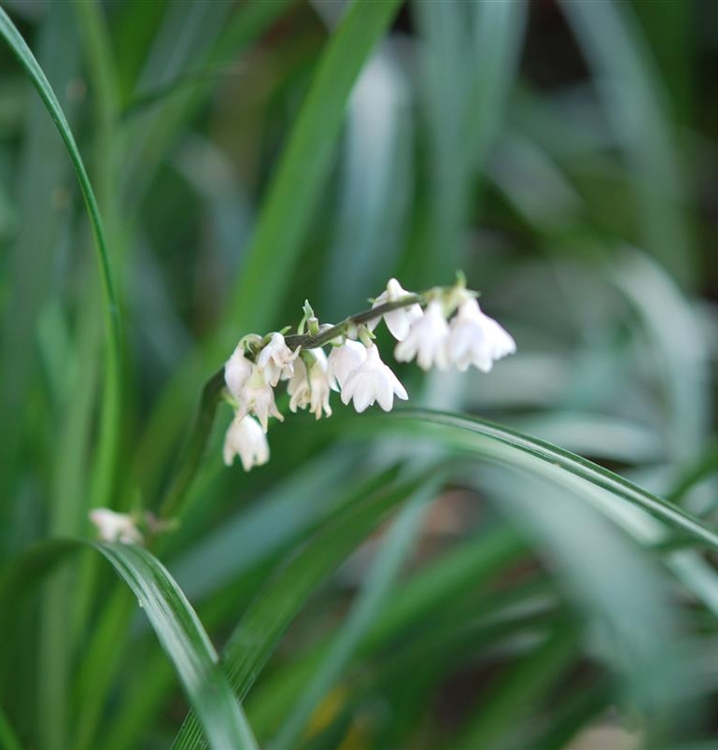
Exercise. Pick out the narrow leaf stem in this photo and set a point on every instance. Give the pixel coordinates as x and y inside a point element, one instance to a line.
<point>173,502</point>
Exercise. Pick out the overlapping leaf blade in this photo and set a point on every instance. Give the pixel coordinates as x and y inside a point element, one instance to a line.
<point>261,627</point>
<point>492,440</point>
<point>173,619</point>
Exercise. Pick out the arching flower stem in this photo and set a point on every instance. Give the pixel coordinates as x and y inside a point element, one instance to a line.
<point>340,329</point>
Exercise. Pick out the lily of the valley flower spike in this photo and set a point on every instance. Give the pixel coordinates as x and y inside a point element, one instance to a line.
<point>441,327</point>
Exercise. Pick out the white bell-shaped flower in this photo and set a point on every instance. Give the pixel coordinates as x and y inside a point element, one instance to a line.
<point>427,339</point>
<point>372,381</point>
<point>245,438</point>
<point>397,321</point>
<point>310,386</point>
<point>115,527</point>
<point>476,339</point>
<point>237,371</point>
<point>344,359</point>
<point>277,359</point>
<point>257,397</point>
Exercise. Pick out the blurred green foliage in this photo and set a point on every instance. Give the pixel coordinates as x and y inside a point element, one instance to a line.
<point>420,580</point>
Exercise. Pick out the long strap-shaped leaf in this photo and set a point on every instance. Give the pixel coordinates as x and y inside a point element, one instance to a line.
<point>492,440</point>
<point>378,585</point>
<point>263,624</point>
<point>184,639</point>
<point>305,164</point>
<point>175,622</point>
<point>111,406</point>
<point>23,53</point>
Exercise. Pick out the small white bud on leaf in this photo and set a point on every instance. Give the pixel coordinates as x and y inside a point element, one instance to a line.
<point>115,527</point>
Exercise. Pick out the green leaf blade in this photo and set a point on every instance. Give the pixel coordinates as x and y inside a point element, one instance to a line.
<point>260,629</point>
<point>487,436</point>
<point>109,441</point>
<point>305,165</point>
<point>173,619</point>
<point>185,641</point>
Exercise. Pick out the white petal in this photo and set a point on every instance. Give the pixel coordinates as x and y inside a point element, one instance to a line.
<point>476,339</point>
<point>397,321</point>
<point>364,396</point>
<point>237,372</point>
<point>399,389</point>
<point>380,300</point>
<point>343,360</point>
<point>349,387</point>
<point>385,394</point>
<point>277,359</point>
<point>427,339</point>
<point>405,350</point>
<point>246,439</point>
<point>503,342</point>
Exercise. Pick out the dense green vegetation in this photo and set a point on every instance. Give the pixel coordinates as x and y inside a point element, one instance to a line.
<point>520,559</point>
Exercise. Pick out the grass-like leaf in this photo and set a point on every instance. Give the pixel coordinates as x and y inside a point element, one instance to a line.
<point>380,581</point>
<point>470,52</point>
<point>630,86</point>
<point>183,637</point>
<point>492,440</point>
<point>173,619</point>
<point>422,600</point>
<point>305,164</point>
<point>528,680</point>
<point>259,631</point>
<point>111,405</point>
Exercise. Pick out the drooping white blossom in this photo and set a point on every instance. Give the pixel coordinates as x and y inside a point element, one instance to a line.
<point>277,359</point>
<point>260,363</point>
<point>115,527</point>
<point>237,371</point>
<point>372,382</point>
<point>427,339</point>
<point>476,339</point>
<point>245,438</point>
<point>311,385</point>
<point>397,321</point>
<point>344,359</point>
<point>298,387</point>
<point>257,397</point>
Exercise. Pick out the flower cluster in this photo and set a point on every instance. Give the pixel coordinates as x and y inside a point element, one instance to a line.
<point>440,328</point>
